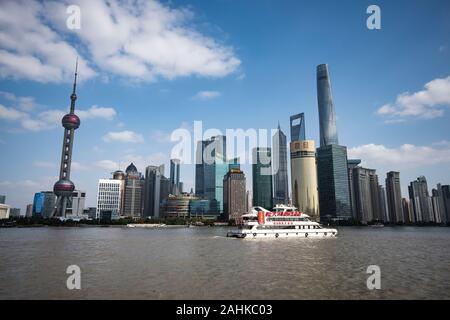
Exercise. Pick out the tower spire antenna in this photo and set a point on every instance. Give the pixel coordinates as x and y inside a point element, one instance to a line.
<point>75,79</point>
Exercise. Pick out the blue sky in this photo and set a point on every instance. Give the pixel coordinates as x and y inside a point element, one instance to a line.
<point>148,69</point>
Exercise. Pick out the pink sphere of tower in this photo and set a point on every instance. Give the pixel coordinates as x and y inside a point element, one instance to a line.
<point>64,187</point>
<point>70,121</point>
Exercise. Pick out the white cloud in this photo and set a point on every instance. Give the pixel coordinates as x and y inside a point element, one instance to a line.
<point>140,40</point>
<point>96,112</point>
<point>124,136</point>
<point>47,119</point>
<point>23,103</point>
<point>30,49</point>
<point>107,164</point>
<point>11,113</point>
<point>207,95</point>
<point>427,104</point>
<point>405,156</point>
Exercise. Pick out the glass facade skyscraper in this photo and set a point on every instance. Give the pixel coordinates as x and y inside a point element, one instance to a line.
<point>210,168</point>
<point>327,116</point>
<point>280,171</point>
<point>333,183</point>
<point>262,178</point>
<point>334,194</point>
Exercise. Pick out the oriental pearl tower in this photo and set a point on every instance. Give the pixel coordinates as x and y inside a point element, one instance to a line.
<point>63,188</point>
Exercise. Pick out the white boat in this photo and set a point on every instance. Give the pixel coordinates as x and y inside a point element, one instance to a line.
<point>283,222</point>
<point>146,225</point>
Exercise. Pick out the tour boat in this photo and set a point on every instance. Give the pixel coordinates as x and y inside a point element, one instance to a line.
<point>283,222</point>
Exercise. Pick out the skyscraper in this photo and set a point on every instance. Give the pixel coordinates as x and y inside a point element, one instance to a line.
<point>262,177</point>
<point>2,199</point>
<point>63,188</point>
<point>437,206</point>
<point>367,195</point>
<point>407,211</point>
<point>109,198</point>
<point>279,163</point>
<point>383,216</point>
<point>421,200</point>
<point>29,211</point>
<point>443,195</point>
<point>152,190</point>
<point>76,204</point>
<point>446,200</point>
<point>327,116</point>
<point>44,204</point>
<point>304,177</point>
<point>234,196</point>
<point>334,196</point>
<point>298,127</point>
<point>205,159</point>
<point>175,176</point>
<point>134,184</point>
<point>210,169</point>
<point>394,197</point>
<point>351,164</point>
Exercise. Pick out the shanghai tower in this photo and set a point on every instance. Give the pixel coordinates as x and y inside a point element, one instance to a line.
<point>332,174</point>
<point>63,188</point>
<point>327,116</point>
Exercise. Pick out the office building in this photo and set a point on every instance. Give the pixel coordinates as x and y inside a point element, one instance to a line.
<point>234,195</point>
<point>76,204</point>
<point>262,177</point>
<point>14,212</point>
<point>408,214</point>
<point>421,200</point>
<point>152,190</point>
<point>109,197</point>
<point>210,169</point>
<point>367,195</point>
<point>333,183</point>
<point>394,197</point>
<point>298,127</point>
<point>351,164</point>
<point>29,212</point>
<point>4,211</point>
<point>279,166</point>
<point>203,209</point>
<point>383,215</point>
<point>443,195</point>
<point>206,153</point>
<point>177,206</point>
<point>133,200</point>
<point>2,199</point>
<point>175,177</point>
<point>437,206</point>
<point>44,204</point>
<point>304,187</point>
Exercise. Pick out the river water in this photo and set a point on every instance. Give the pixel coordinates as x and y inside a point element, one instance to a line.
<point>200,263</point>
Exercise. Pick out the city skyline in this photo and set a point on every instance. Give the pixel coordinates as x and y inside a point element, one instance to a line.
<point>113,109</point>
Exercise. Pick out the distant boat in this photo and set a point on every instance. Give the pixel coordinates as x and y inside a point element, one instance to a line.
<point>146,225</point>
<point>7,224</point>
<point>377,225</point>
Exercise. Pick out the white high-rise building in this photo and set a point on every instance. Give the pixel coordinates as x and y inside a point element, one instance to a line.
<point>109,197</point>
<point>76,205</point>
<point>304,177</point>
